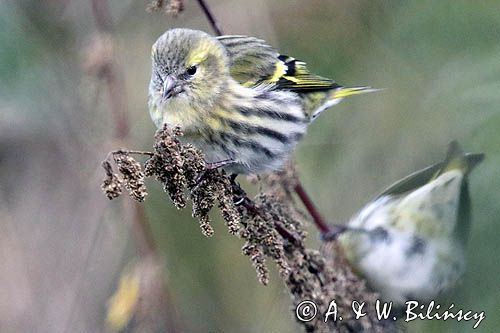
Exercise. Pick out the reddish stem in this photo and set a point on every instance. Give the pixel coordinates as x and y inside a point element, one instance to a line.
<point>311,208</point>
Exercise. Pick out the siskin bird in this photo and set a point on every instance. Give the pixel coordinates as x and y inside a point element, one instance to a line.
<point>236,98</point>
<point>409,241</point>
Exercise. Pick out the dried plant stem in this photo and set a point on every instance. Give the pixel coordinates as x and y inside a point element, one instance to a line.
<point>210,17</point>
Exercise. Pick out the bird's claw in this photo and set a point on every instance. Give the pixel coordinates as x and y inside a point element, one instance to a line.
<point>238,193</point>
<point>335,230</point>
<point>208,167</point>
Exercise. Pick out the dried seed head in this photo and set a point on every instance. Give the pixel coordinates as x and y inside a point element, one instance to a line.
<point>172,7</point>
<point>205,226</point>
<point>175,7</point>
<point>180,167</point>
<point>204,195</point>
<point>133,177</point>
<point>194,164</point>
<point>154,5</point>
<point>229,213</point>
<point>167,164</point>
<point>112,184</point>
<point>258,260</point>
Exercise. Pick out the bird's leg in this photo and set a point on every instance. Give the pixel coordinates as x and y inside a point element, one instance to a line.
<point>328,231</point>
<point>218,164</point>
<point>208,167</point>
<point>238,193</point>
<point>338,229</point>
<point>334,232</point>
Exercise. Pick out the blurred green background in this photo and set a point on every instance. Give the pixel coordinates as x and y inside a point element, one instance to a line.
<point>63,244</point>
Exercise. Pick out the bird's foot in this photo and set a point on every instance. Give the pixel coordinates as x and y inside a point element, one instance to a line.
<point>335,230</point>
<point>239,195</point>
<point>209,166</point>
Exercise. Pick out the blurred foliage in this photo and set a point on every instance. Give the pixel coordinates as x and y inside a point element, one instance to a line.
<point>438,60</point>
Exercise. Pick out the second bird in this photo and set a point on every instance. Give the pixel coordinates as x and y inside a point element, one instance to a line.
<point>236,98</point>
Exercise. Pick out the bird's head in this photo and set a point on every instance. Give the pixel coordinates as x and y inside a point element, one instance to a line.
<point>189,67</point>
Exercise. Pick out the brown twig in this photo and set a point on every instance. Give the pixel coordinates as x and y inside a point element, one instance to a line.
<point>210,17</point>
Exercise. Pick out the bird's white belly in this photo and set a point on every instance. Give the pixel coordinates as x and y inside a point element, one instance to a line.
<point>398,274</point>
<point>401,264</point>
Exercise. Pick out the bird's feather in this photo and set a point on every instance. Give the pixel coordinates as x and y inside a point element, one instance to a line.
<point>254,63</point>
<point>455,159</point>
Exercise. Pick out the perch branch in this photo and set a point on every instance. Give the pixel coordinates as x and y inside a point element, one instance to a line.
<point>311,208</point>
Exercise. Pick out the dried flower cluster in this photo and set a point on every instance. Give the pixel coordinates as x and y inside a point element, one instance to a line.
<point>132,177</point>
<point>112,184</point>
<point>271,224</point>
<point>182,171</point>
<point>167,165</point>
<point>262,238</point>
<point>172,7</point>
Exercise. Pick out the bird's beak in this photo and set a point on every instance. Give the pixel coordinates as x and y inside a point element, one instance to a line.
<point>169,87</point>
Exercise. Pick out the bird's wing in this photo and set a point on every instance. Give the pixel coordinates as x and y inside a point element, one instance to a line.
<point>412,181</point>
<point>256,64</point>
<point>455,159</point>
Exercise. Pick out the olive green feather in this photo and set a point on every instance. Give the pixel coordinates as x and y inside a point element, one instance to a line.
<point>254,63</point>
<point>455,159</point>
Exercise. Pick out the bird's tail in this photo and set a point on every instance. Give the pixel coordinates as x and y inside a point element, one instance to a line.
<point>349,91</point>
<point>338,94</point>
<point>457,160</point>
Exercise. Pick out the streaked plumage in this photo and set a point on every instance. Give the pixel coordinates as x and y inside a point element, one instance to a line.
<point>235,97</point>
<point>409,241</point>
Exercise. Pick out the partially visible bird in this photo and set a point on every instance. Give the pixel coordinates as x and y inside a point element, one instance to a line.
<point>236,98</point>
<point>409,241</point>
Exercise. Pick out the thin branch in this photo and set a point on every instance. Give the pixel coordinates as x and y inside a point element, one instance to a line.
<point>210,17</point>
<point>311,208</point>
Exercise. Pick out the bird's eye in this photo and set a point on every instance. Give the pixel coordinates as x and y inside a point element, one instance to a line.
<point>191,70</point>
